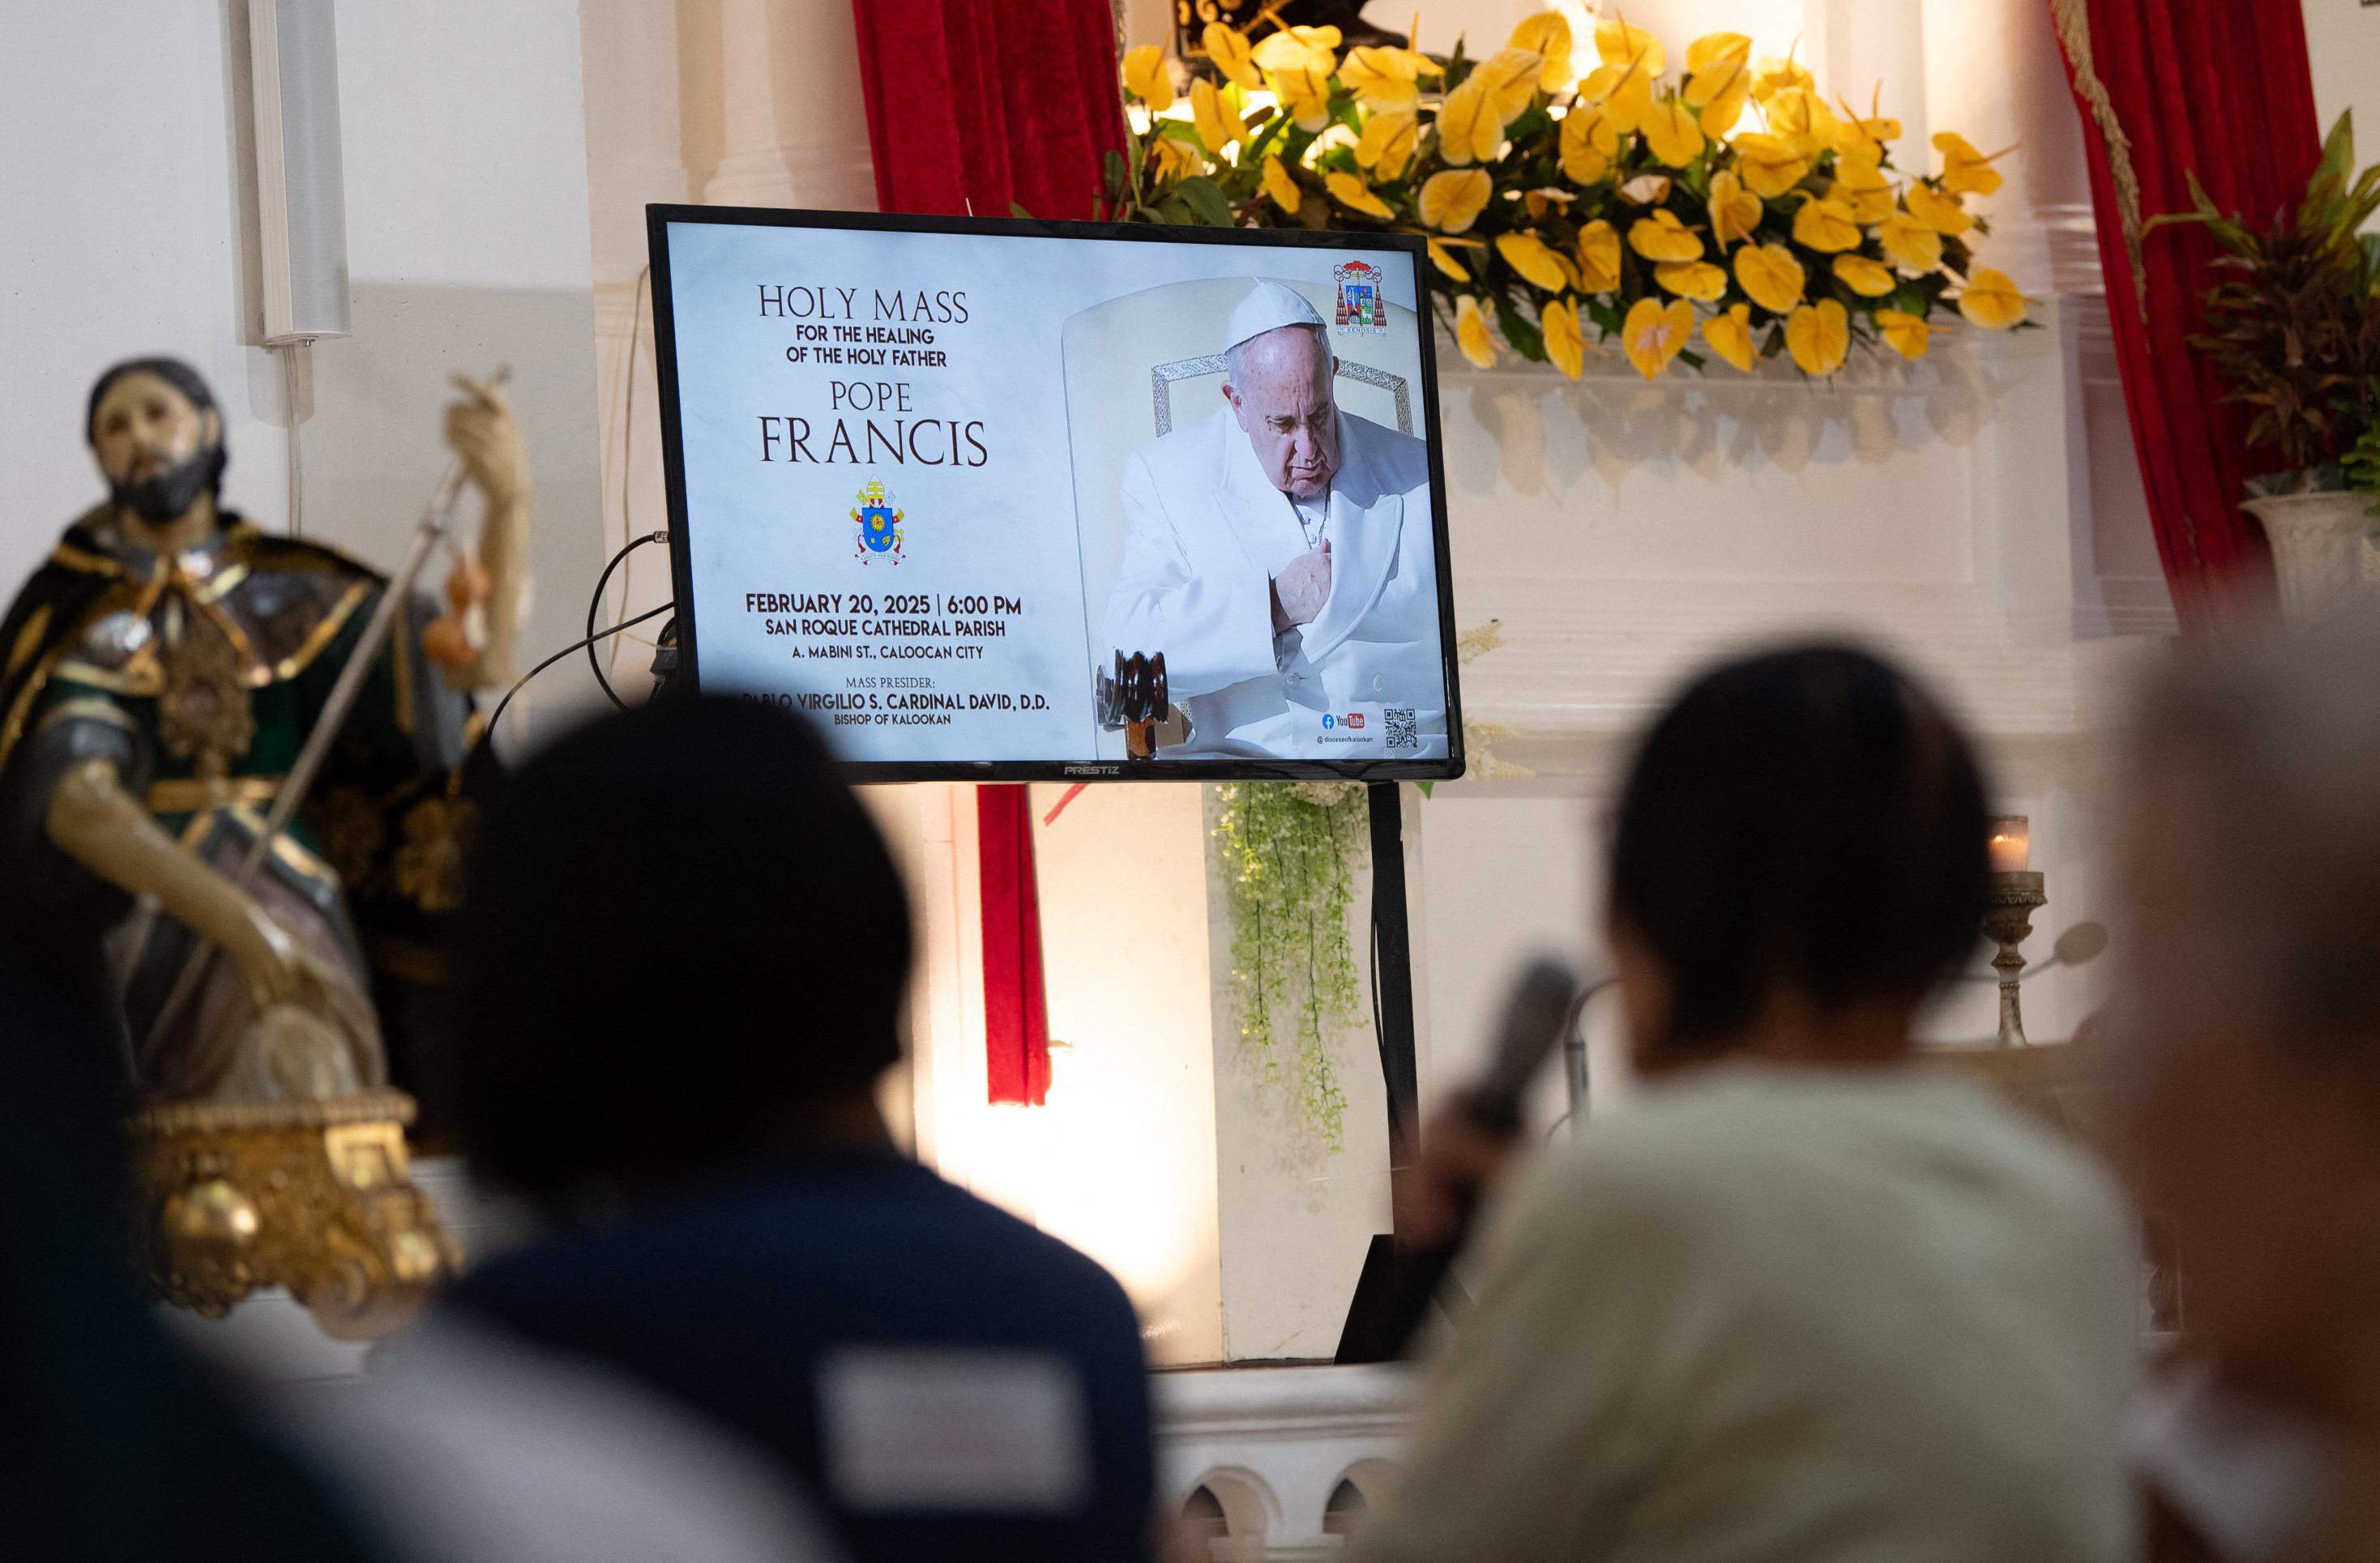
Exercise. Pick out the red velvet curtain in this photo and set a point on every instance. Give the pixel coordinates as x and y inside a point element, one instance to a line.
<point>989,101</point>
<point>2221,88</point>
<point>1015,1016</point>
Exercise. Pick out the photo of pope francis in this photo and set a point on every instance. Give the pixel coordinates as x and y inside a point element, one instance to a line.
<point>1279,552</point>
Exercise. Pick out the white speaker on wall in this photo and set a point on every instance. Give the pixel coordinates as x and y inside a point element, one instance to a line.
<point>301,194</point>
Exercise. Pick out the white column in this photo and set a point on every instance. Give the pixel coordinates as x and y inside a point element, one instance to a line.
<point>791,115</point>
<point>1856,46</point>
<point>1993,74</point>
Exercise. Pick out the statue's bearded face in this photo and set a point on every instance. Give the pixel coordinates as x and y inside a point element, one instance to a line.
<point>158,449</point>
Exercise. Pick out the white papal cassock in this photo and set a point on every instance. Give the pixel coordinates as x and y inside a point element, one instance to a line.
<point>1209,533</point>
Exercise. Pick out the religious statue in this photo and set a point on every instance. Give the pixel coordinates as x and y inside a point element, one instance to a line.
<point>160,675</point>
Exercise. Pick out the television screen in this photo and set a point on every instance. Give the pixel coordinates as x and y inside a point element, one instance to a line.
<point>1013,500</point>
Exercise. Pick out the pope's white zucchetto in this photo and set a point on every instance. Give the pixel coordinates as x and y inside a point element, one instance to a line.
<point>1267,307</point>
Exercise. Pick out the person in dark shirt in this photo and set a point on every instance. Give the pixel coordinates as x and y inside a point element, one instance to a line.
<point>679,975</point>
<point>117,1443</point>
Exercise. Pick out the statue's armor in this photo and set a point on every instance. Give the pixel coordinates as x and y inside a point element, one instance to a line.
<point>199,675</point>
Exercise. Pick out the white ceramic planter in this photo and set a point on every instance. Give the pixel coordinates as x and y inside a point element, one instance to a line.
<point>2320,544</point>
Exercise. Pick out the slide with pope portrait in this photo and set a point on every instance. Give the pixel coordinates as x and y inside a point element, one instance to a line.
<point>937,486</point>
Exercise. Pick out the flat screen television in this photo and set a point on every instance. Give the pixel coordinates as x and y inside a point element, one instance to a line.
<point>1008,500</point>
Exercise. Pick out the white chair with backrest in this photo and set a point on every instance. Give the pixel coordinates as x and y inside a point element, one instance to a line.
<point>1140,364</point>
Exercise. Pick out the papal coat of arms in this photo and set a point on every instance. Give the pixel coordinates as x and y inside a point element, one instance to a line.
<point>879,523</point>
<point>1360,305</point>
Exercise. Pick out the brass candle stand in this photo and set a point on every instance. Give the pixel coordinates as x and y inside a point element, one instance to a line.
<point>2008,919</point>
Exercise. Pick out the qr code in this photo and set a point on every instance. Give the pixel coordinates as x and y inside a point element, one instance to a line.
<point>1405,732</point>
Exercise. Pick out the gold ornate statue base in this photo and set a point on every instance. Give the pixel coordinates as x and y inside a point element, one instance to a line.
<point>315,1196</point>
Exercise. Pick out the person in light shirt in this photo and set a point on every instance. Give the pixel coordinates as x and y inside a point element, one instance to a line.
<point>2241,1069</point>
<point>1280,555</point>
<point>1805,1298</point>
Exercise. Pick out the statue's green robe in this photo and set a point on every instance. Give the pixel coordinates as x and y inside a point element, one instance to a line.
<point>200,675</point>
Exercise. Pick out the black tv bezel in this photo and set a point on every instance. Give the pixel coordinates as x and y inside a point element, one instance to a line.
<point>659,217</point>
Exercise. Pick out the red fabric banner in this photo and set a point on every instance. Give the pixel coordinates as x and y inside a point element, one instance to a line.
<point>2221,88</point>
<point>1015,1016</point>
<point>983,103</point>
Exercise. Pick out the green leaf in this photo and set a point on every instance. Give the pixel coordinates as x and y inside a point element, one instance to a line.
<point>1532,121</point>
<point>1525,337</point>
<point>2198,195</point>
<point>1016,209</point>
<point>2337,162</point>
<point>1206,199</point>
<point>1119,175</point>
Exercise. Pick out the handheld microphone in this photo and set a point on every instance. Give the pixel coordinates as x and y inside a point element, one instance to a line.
<point>1538,1013</point>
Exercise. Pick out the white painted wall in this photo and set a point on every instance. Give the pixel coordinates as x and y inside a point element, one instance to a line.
<point>132,202</point>
<point>124,226</point>
<point>2343,42</point>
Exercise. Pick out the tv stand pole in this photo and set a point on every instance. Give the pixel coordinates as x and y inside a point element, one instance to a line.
<point>1364,1339</point>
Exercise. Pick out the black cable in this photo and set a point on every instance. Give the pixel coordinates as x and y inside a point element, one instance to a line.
<point>596,602</point>
<point>488,733</point>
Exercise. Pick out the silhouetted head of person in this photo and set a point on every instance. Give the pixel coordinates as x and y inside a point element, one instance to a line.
<point>1802,837</point>
<point>685,946</point>
<point>2245,1035</point>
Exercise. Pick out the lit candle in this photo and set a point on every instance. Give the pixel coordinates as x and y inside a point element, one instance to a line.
<point>2012,839</point>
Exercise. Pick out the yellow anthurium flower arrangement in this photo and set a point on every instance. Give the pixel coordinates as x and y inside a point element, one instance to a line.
<point>1442,256</point>
<point>1729,336</point>
<point>1450,201</point>
<point>1818,335</point>
<point>1566,345</point>
<point>1734,211</point>
<point>1965,170</point>
<point>1528,254</point>
<point>1692,279</point>
<point>1146,78</point>
<point>1991,300</point>
<point>1653,333</point>
<point>1672,133</point>
<point>1598,257</point>
<point>1719,79</point>
<point>1471,333</point>
<point>1468,130</point>
<point>1356,196</point>
<point>1589,142</point>
<point>1662,237</point>
<point>1510,78</point>
<point>1388,143</point>
<point>1825,227</point>
<point>1770,275</point>
<point>1869,279</point>
<point>1383,78</point>
<point>1728,209</point>
<point>1546,35</point>
<point>1618,43</point>
<point>1219,127</point>
<point>1905,335</point>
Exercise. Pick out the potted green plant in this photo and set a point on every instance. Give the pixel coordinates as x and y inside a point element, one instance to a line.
<point>2292,323</point>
